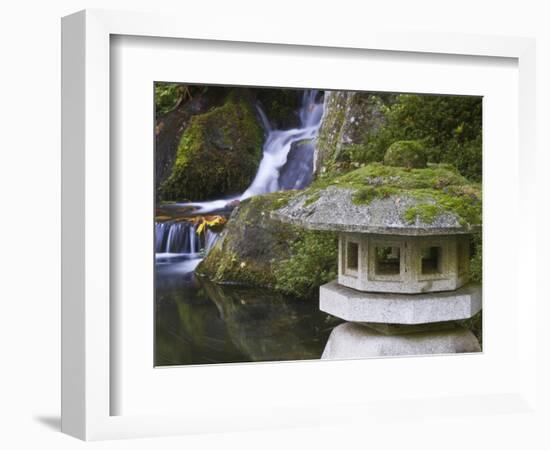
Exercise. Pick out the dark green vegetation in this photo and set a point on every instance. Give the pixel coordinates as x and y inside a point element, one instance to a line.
<point>476,261</point>
<point>448,127</point>
<point>168,96</point>
<point>281,106</point>
<point>312,261</point>
<point>409,154</point>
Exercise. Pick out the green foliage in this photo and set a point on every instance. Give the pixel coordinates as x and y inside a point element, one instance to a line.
<point>476,259</point>
<point>449,127</point>
<point>168,96</point>
<point>313,262</point>
<point>409,154</point>
<point>426,213</point>
<point>218,153</point>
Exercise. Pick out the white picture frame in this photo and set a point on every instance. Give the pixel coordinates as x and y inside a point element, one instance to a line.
<point>87,326</point>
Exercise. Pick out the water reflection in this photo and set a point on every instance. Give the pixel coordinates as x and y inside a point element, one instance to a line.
<point>199,322</point>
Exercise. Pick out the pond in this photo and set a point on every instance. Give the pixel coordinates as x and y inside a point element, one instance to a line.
<point>200,322</point>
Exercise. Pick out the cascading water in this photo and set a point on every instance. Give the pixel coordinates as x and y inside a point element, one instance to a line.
<point>181,238</point>
<point>278,145</point>
<point>276,171</point>
<point>287,163</point>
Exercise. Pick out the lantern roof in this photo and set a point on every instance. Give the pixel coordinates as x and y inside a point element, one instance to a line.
<point>378,199</point>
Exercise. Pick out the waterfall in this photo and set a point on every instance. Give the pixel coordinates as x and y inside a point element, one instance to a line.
<point>275,161</point>
<point>278,145</point>
<point>287,163</point>
<point>181,238</point>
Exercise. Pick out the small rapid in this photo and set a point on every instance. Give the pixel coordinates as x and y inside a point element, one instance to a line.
<point>176,238</point>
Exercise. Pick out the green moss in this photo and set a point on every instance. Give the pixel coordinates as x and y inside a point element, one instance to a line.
<point>312,262</point>
<point>312,198</point>
<point>448,126</point>
<point>425,212</point>
<point>218,154</point>
<point>409,154</point>
<point>476,259</point>
<point>167,97</point>
<point>366,194</point>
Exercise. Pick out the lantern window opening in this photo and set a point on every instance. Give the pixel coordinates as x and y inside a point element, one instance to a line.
<point>352,256</point>
<point>387,260</point>
<point>431,260</point>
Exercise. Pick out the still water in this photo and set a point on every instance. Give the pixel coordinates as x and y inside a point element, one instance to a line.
<point>199,322</point>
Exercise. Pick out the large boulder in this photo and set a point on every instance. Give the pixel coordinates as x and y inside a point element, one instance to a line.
<point>171,120</point>
<point>250,243</point>
<point>218,153</point>
<point>256,250</point>
<point>350,120</point>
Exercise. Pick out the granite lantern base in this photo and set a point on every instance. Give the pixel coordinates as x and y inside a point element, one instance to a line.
<point>388,324</point>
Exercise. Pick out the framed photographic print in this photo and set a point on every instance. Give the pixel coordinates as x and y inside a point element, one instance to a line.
<point>248,246</point>
<point>285,216</point>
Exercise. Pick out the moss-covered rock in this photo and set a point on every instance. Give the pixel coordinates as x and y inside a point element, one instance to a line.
<point>173,113</point>
<point>350,121</point>
<point>256,250</point>
<point>448,126</point>
<point>250,243</point>
<point>218,153</point>
<point>409,154</point>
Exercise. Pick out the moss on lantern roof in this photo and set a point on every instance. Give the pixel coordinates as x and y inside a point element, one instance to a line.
<point>386,199</point>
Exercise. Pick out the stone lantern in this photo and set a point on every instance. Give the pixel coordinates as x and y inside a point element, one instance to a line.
<point>402,284</point>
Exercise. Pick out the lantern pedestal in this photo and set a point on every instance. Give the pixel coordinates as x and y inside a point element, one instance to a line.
<point>352,340</point>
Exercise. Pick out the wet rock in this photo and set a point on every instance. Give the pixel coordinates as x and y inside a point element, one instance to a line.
<point>297,173</point>
<point>250,244</point>
<point>350,119</point>
<point>218,153</point>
